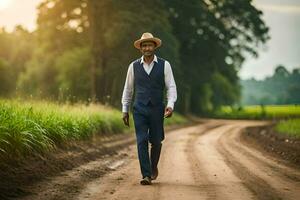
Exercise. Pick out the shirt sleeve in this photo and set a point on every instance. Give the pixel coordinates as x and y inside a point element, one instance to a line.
<point>170,85</point>
<point>128,89</point>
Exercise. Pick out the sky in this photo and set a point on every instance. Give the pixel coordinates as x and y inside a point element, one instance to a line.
<point>283,19</point>
<point>282,16</point>
<point>22,12</point>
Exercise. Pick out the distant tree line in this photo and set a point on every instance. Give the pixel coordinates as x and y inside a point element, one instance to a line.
<point>283,87</point>
<point>81,49</point>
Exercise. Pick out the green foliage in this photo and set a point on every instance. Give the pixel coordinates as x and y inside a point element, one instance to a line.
<point>16,49</point>
<point>283,87</point>
<point>122,17</point>
<point>22,46</point>
<point>5,78</point>
<point>258,112</point>
<point>82,48</point>
<point>37,127</point>
<point>73,75</point>
<point>225,93</point>
<point>214,37</point>
<point>38,78</point>
<point>290,127</point>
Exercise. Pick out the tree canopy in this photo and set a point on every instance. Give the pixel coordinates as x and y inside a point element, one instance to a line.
<point>81,49</point>
<point>281,88</point>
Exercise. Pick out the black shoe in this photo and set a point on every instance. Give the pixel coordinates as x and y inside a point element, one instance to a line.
<point>146,181</point>
<point>154,174</point>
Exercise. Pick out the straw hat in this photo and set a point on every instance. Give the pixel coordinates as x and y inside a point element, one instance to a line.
<point>147,37</point>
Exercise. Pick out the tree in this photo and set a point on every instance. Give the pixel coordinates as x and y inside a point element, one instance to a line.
<point>281,72</point>
<point>73,78</point>
<point>280,88</point>
<point>39,78</point>
<point>214,37</point>
<point>5,78</point>
<point>205,41</point>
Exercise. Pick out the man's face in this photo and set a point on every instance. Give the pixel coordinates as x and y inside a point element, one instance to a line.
<point>147,48</point>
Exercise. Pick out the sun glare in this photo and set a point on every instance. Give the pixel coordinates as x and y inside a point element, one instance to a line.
<point>4,4</point>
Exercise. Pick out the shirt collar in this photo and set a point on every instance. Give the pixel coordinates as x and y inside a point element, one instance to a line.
<point>154,60</point>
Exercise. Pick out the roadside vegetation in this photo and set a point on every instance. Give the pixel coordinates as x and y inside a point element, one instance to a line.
<point>290,127</point>
<point>37,127</point>
<point>259,112</point>
<point>287,117</point>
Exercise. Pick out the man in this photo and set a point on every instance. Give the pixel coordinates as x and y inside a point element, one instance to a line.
<point>147,77</point>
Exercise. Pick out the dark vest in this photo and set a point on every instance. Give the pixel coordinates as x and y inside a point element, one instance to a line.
<point>149,87</point>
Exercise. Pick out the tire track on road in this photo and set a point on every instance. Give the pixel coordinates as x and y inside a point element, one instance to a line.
<point>227,186</point>
<point>270,162</point>
<point>264,182</point>
<point>199,175</point>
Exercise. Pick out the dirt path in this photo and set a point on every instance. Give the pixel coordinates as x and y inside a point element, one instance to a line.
<point>206,161</point>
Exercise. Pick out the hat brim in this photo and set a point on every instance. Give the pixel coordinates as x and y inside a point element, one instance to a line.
<point>137,44</point>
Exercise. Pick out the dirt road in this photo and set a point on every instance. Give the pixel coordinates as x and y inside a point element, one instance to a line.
<point>206,161</point>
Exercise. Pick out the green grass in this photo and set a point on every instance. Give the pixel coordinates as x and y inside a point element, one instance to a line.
<point>290,127</point>
<point>259,112</point>
<point>36,127</point>
<point>39,126</point>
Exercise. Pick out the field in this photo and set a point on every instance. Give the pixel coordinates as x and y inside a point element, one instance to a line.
<point>290,127</point>
<point>259,112</point>
<point>36,127</point>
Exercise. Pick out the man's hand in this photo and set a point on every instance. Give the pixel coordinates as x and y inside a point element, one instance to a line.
<point>168,112</point>
<point>126,118</point>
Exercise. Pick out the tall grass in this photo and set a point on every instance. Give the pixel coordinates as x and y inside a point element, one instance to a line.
<point>35,126</point>
<point>39,126</point>
<point>290,127</point>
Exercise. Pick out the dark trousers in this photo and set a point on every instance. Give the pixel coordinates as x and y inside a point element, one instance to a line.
<point>148,122</point>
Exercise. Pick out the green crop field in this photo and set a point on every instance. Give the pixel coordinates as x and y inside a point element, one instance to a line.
<point>39,126</point>
<point>259,112</point>
<point>290,127</point>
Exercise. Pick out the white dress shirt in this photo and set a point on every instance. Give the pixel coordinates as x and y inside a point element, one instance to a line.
<point>129,84</point>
